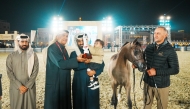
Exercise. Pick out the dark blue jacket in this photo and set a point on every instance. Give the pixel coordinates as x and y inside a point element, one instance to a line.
<point>164,60</point>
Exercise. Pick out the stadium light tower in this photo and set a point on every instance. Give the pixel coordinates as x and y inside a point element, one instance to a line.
<point>107,24</point>
<point>107,31</point>
<point>57,24</point>
<point>165,21</point>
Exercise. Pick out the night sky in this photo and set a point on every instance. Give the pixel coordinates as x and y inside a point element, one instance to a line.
<point>26,15</point>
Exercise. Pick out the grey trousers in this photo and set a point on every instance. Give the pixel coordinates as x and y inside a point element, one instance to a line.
<point>0,105</point>
<point>162,96</point>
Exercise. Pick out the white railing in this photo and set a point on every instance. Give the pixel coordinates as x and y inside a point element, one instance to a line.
<point>8,50</point>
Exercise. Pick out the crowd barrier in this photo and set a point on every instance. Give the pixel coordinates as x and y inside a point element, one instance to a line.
<point>112,49</point>
<point>6,50</point>
<point>9,50</point>
<point>182,48</point>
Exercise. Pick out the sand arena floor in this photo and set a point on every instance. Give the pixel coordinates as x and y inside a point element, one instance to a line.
<point>179,94</point>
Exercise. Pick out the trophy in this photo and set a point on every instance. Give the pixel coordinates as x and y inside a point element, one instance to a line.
<point>85,48</point>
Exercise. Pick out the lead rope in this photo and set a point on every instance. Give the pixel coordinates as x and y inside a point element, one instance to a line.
<point>134,87</point>
<point>157,91</point>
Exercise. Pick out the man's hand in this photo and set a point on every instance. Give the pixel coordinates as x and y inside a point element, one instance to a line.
<point>87,61</point>
<point>91,72</point>
<point>23,89</point>
<point>151,72</point>
<point>80,59</point>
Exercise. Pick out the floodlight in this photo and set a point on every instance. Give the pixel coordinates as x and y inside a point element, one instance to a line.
<point>162,17</point>
<point>168,17</point>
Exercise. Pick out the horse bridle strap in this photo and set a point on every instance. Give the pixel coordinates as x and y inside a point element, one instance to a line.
<point>133,60</point>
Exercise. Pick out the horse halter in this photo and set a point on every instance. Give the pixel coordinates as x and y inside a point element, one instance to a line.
<point>135,60</point>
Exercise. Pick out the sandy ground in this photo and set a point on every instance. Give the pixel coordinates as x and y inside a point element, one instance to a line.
<point>179,94</point>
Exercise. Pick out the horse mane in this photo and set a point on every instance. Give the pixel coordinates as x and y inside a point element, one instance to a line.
<point>125,44</point>
<point>114,56</point>
<point>136,43</point>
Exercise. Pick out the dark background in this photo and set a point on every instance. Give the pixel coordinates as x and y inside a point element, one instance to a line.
<point>26,15</point>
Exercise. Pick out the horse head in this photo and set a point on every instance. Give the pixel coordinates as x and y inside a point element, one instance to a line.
<point>137,55</point>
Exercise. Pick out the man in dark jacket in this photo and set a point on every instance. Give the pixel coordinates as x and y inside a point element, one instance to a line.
<point>162,61</point>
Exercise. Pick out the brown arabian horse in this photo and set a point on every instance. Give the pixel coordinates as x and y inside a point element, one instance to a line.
<point>120,68</point>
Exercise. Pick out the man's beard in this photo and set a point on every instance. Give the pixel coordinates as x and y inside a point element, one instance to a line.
<point>80,46</point>
<point>24,47</point>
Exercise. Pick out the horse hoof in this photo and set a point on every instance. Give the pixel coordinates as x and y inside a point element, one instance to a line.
<point>112,103</point>
<point>130,105</point>
<point>119,97</point>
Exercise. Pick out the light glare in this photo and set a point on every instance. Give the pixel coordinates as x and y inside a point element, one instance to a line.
<point>168,17</point>
<point>162,17</point>
<point>107,24</point>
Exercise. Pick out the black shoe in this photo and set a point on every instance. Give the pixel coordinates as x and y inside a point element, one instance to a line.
<point>95,78</point>
<point>95,85</point>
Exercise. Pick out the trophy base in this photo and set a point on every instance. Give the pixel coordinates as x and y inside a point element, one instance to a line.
<point>88,56</point>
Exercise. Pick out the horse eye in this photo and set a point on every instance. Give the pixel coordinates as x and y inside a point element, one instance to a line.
<point>136,52</point>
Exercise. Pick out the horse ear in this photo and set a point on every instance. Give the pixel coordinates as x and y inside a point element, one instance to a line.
<point>135,41</point>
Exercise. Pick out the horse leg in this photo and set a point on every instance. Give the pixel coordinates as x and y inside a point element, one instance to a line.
<point>128,91</point>
<point>119,94</point>
<point>114,97</point>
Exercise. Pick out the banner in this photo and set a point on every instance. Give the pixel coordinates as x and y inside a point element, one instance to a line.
<point>91,31</point>
<point>32,36</point>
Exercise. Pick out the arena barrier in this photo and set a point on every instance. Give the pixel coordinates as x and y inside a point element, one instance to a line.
<point>6,50</point>
<point>9,50</point>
